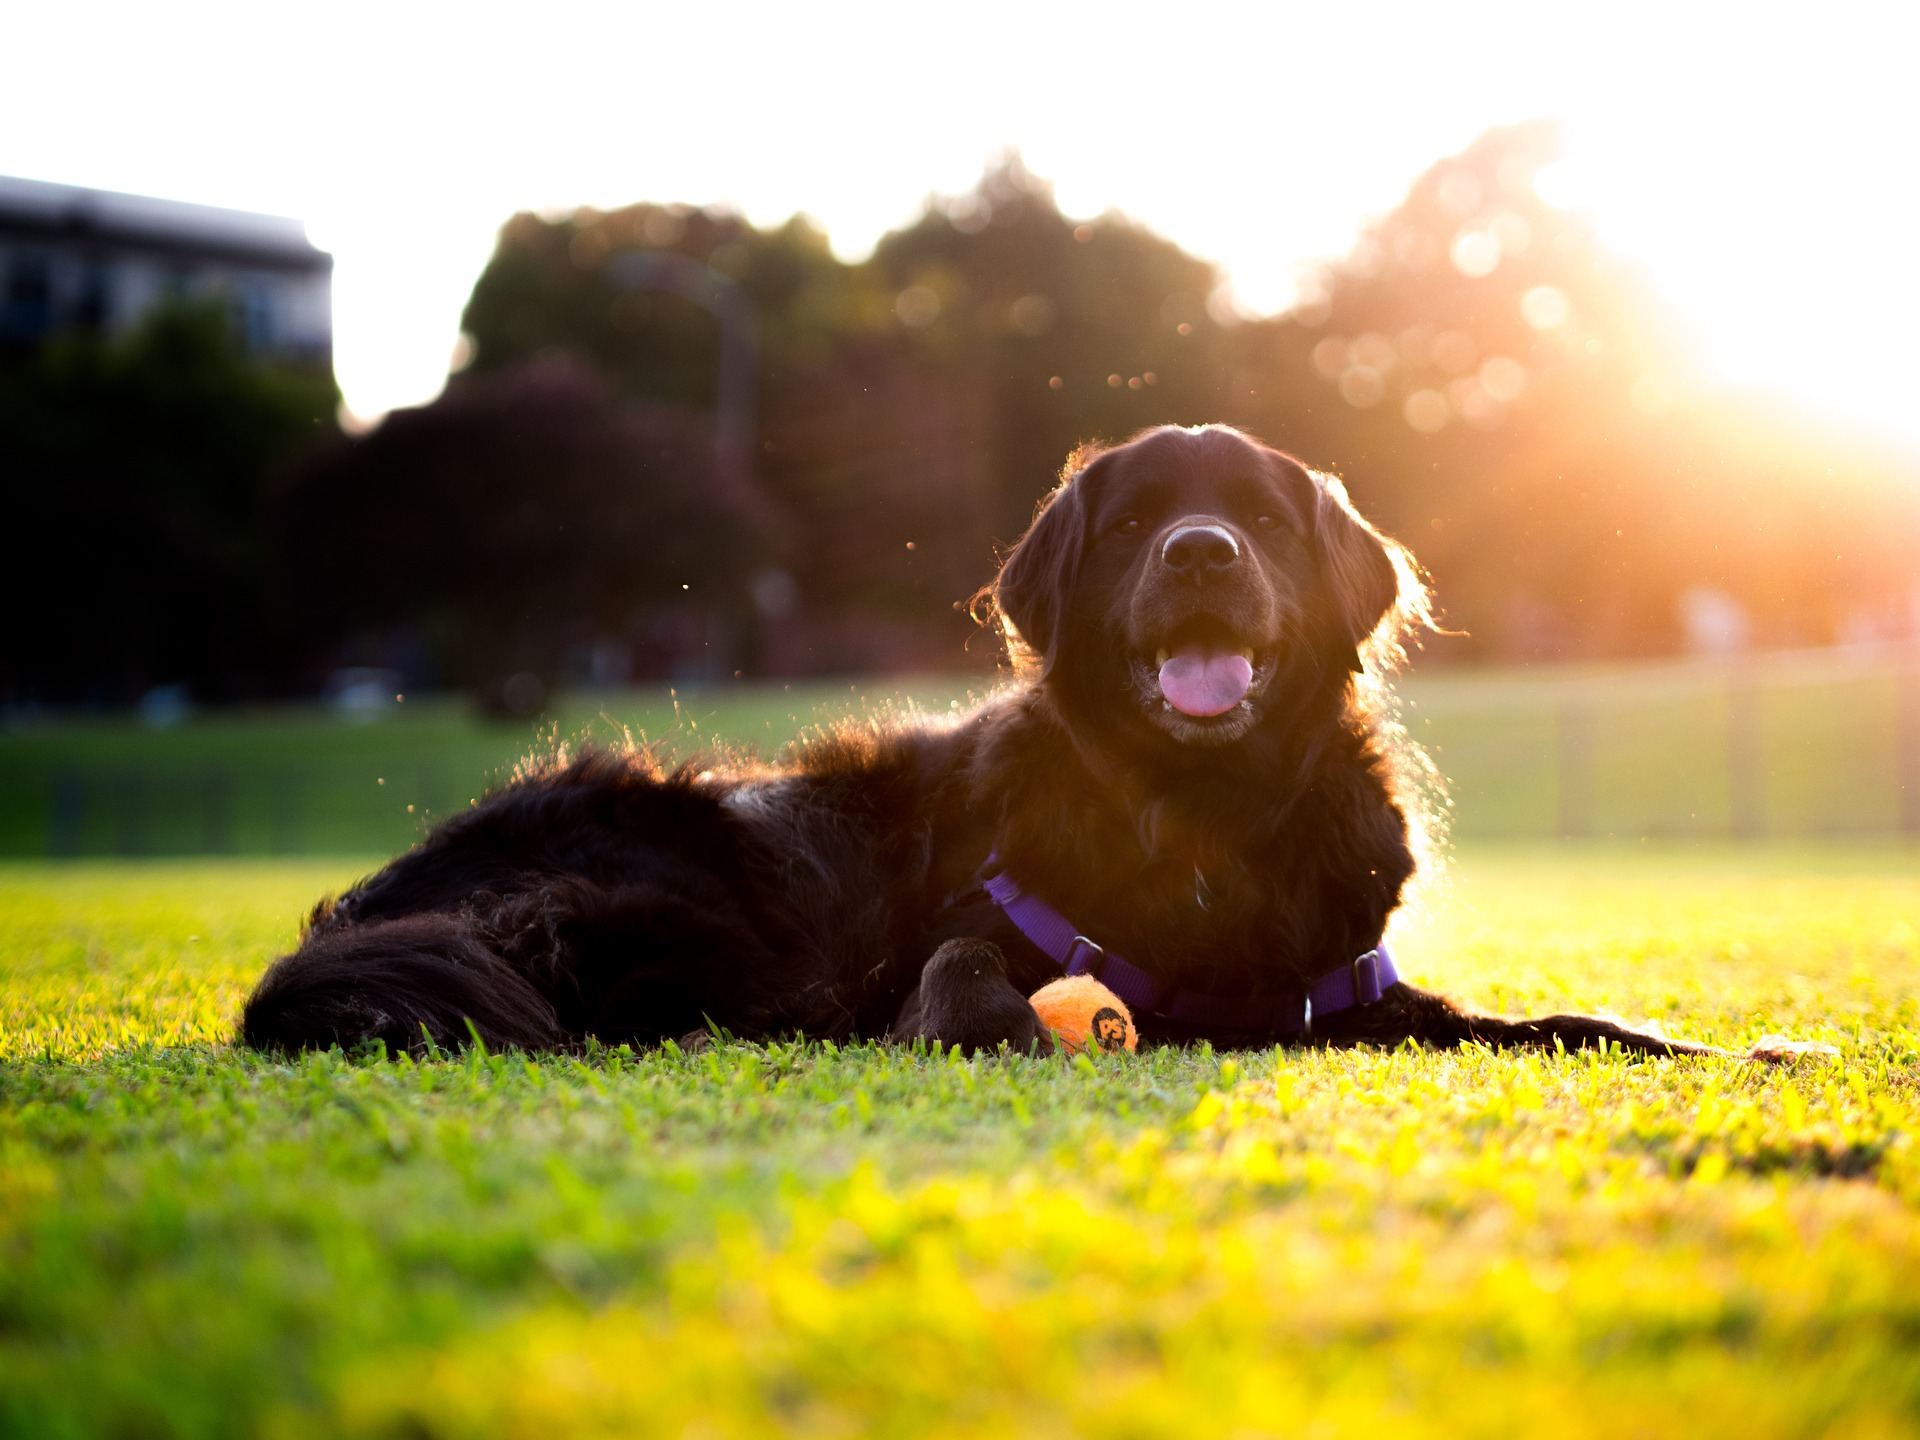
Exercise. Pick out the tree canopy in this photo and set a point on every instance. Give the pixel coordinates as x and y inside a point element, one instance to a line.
<point>1498,390</point>
<point>1510,398</point>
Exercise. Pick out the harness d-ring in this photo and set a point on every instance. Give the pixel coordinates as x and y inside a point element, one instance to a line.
<point>1074,964</point>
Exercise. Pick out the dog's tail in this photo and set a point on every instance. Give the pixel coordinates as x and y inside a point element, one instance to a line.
<point>408,982</point>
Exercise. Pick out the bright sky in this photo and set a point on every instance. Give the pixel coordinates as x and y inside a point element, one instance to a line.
<point>1761,159</point>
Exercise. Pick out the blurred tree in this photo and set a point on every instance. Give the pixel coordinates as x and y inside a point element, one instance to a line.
<point>1060,331</point>
<point>526,513</point>
<point>1498,390</point>
<point>134,478</point>
<point>549,287</point>
<point>912,407</point>
<point>1512,400</point>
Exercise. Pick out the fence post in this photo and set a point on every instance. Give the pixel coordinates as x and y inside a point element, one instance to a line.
<point>433,786</point>
<point>130,829</point>
<point>1746,761</point>
<point>1907,742</point>
<point>216,788</point>
<point>66,809</point>
<point>286,817</point>
<point>1576,765</point>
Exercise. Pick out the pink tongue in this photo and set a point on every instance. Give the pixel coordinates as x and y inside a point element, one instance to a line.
<point>1198,683</point>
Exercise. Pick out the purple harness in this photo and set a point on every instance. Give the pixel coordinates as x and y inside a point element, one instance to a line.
<point>1359,983</point>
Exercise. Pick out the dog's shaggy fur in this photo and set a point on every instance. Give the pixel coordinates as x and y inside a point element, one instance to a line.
<point>839,893</point>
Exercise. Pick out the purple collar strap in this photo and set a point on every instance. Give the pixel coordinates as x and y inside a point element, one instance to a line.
<point>1360,982</point>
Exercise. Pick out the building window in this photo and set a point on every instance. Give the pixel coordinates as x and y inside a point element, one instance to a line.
<point>27,313</point>
<point>252,309</point>
<point>93,307</point>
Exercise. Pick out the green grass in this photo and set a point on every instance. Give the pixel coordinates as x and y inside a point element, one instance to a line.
<point>796,1239</point>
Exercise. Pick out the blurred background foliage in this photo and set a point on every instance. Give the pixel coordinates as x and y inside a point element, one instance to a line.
<point>135,481</point>
<point>1496,388</point>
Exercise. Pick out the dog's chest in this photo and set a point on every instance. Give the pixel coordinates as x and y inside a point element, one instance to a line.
<point>1185,918</point>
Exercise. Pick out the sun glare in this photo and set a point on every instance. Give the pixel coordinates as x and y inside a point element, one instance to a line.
<point>1789,260</point>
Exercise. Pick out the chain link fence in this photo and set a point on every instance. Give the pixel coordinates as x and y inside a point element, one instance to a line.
<point>1805,744</point>
<point>1800,745</point>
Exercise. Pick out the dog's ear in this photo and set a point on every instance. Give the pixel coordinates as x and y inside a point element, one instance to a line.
<point>1035,585</point>
<point>1358,562</point>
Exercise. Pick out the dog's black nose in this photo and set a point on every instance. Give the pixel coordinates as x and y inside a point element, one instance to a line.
<point>1200,550</point>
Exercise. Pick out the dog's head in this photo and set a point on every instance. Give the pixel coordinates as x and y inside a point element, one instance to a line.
<point>1199,579</point>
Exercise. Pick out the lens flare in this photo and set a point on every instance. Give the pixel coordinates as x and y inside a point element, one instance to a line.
<point>1544,307</point>
<point>1427,411</point>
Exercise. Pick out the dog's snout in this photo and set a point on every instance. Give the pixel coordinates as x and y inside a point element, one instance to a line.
<point>1200,549</point>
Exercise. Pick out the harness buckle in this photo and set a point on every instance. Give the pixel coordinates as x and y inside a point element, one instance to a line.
<point>1074,964</point>
<point>1360,989</point>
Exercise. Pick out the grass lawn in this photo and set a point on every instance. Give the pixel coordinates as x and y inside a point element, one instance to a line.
<point>801,1240</point>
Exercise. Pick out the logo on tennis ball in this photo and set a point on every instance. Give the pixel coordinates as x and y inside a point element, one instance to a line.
<point>1109,1028</point>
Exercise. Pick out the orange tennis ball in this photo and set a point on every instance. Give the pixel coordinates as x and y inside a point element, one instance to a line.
<point>1085,1014</point>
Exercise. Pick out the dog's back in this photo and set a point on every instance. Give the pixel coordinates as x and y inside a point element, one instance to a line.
<point>600,895</point>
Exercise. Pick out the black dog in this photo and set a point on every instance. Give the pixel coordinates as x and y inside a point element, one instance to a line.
<point>1192,793</point>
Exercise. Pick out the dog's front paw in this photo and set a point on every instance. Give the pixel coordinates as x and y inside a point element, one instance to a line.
<point>964,998</point>
<point>1779,1050</point>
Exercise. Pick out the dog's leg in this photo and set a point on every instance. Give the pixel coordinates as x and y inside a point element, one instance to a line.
<point>964,998</point>
<point>1406,1012</point>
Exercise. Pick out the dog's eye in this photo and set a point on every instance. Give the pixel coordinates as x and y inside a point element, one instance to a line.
<point>1128,524</point>
<point>1265,522</point>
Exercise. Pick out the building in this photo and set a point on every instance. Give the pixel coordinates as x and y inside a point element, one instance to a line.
<point>96,261</point>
